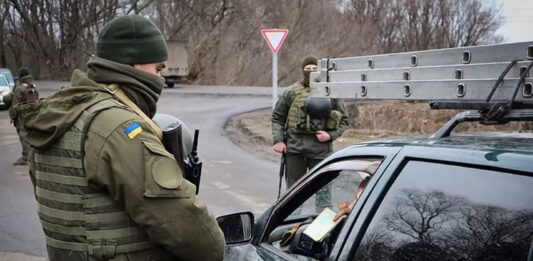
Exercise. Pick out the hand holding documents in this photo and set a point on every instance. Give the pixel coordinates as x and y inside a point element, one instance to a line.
<point>322,225</point>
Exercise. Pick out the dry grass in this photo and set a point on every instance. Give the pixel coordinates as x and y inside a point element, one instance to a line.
<point>369,121</point>
<point>404,118</point>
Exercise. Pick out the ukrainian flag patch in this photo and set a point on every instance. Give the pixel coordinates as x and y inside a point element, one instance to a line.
<point>133,130</point>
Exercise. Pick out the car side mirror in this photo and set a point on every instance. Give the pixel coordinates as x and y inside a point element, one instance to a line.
<point>237,228</point>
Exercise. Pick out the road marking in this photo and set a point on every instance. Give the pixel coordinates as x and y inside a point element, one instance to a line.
<point>23,174</point>
<point>225,162</point>
<point>8,142</point>
<point>220,185</point>
<point>252,203</point>
<point>9,256</point>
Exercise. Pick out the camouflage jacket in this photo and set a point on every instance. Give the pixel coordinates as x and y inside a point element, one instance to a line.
<point>298,142</point>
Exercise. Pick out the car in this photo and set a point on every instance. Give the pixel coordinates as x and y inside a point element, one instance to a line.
<point>9,76</point>
<point>466,197</point>
<point>437,197</point>
<point>4,89</point>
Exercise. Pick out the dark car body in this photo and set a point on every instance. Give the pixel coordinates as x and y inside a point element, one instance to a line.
<point>456,198</point>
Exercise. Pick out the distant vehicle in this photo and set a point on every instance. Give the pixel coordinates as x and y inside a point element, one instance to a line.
<point>177,68</point>
<point>9,76</point>
<point>4,89</point>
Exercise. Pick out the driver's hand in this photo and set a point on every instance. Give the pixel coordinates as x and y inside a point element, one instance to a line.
<point>344,209</point>
<point>280,147</point>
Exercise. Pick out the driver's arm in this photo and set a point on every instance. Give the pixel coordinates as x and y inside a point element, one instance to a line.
<point>344,207</point>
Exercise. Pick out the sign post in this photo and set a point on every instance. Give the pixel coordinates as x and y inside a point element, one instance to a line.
<point>274,39</point>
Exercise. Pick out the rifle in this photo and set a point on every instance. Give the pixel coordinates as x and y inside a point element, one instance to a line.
<point>281,171</point>
<point>282,167</point>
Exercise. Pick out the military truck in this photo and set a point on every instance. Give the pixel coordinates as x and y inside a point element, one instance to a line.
<point>448,196</point>
<point>177,68</point>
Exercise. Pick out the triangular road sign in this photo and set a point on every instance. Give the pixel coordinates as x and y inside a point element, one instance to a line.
<point>274,38</point>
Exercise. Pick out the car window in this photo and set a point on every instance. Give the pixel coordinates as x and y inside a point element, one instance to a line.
<point>328,186</point>
<point>346,177</point>
<point>3,81</point>
<point>8,75</point>
<point>436,211</point>
<point>341,189</point>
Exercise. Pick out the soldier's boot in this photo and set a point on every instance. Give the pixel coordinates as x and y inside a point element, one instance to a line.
<point>20,161</point>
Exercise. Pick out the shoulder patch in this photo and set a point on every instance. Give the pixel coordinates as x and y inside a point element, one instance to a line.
<point>133,130</point>
<point>166,173</point>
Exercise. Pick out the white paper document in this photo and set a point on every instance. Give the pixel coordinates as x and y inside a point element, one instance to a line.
<point>322,225</point>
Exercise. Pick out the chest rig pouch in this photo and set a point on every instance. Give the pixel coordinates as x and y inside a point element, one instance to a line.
<point>308,115</point>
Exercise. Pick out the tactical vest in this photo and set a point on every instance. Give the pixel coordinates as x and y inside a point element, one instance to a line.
<point>30,92</point>
<point>75,215</point>
<point>297,120</point>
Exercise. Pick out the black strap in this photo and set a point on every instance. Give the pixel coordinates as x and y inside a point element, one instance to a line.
<point>498,110</point>
<point>500,79</point>
<point>521,82</point>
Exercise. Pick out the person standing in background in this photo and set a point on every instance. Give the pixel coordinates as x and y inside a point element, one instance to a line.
<point>304,138</point>
<point>25,91</point>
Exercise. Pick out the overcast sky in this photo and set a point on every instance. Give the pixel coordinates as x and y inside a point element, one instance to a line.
<point>518,23</point>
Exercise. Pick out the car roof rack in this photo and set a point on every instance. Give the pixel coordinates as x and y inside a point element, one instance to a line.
<point>493,79</point>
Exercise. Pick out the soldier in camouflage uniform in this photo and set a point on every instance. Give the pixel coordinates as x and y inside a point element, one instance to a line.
<point>106,187</point>
<point>305,146</point>
<point>25,91</point>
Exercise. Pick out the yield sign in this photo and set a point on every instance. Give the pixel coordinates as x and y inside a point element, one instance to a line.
<point>274,38</point>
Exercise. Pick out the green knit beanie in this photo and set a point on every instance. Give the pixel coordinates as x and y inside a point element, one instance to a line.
<point>23,72</point>
<point>131,39</point>
<point>309,60</point>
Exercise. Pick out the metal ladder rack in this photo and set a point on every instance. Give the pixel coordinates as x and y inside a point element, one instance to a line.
<point>458,75</point>
<point>493,79</point>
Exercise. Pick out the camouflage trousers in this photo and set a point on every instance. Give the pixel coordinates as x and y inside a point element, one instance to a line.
<point>25,145</point>
<point>297,166</point>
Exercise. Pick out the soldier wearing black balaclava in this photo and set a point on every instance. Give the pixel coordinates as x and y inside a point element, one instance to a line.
<point>308,140</point>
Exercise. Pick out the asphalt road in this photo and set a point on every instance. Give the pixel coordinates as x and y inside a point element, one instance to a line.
<point>232,180</point>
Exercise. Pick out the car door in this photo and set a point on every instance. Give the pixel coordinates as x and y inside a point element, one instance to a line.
<point>334,180</point>
<point>447,204</point>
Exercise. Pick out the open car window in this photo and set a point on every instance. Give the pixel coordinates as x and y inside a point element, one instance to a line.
<point>345,178</point>
<point>324,188</point>
<point>341,189</point>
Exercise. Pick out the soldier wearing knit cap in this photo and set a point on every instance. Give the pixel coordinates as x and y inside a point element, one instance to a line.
<point>105,185</point>
<point>305,139</point>
<point>25,91</point>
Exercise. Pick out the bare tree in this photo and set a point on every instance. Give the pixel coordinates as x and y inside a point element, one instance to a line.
<point>404,25</point>
<point>420,215</point>
<point>50,36</point>
<point>223,36</point>
<point>482,230</point>
<point>4,11</point>
<point>454,226</point>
